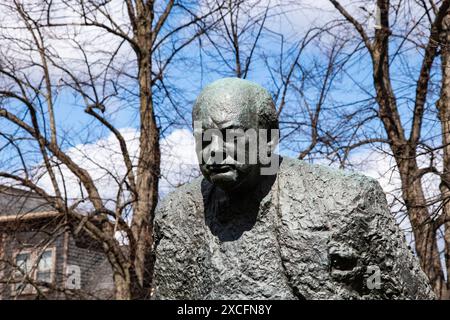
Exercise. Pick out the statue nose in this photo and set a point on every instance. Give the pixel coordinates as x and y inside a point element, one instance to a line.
<point>216,149</point>
<point>216,145</point>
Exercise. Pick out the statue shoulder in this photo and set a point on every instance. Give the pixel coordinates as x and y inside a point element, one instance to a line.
<point>182,200</point>
<point>351,221</point>
<point>327,195</point>
<point>326,181</point>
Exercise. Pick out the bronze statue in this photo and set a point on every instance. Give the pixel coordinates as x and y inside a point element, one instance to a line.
<point>258,226</point>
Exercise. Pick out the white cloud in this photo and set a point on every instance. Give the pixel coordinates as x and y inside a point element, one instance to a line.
<point>179,162</point>
<point>104,162</point>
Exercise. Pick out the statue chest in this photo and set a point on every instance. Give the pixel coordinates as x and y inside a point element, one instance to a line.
<point>246,262</point>
<point>259,253</point>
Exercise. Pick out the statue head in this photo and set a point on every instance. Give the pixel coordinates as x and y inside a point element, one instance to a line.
<point>236,130</point>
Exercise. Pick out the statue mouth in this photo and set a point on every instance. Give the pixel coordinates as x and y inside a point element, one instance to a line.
<point>221,168</point>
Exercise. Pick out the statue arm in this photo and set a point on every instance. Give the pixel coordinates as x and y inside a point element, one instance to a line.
<point>391,267</point>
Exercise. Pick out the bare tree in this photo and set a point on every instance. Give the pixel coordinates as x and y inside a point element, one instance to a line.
<point>405,133</point>
<point>144,39</point>
<point>116,59</point>
<point>246,42</point>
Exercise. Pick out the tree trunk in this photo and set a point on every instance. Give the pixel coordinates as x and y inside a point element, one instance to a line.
<point>404,152</point>
<point>122,287</point>
<point>423,228</point>
<point>147,181</point>
<point>148,170</point>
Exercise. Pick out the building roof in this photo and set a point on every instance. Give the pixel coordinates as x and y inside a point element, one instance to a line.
<point>22,204</point>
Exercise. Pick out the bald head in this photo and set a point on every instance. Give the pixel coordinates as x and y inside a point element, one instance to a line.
<point>239,100</point>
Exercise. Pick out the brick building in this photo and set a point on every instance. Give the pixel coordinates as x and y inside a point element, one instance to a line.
<point>40,258</point>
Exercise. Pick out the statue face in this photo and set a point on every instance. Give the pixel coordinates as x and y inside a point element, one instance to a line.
<point>224,146</point>
<point>231,142</point>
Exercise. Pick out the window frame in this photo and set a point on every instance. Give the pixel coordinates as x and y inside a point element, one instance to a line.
<point>34,254</point>
<point>52,267</point>
<point>19,275</point>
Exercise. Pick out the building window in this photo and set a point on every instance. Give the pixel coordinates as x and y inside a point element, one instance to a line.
<point>37,266</point>
<point>45,267</point>
<point>24,264</point>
